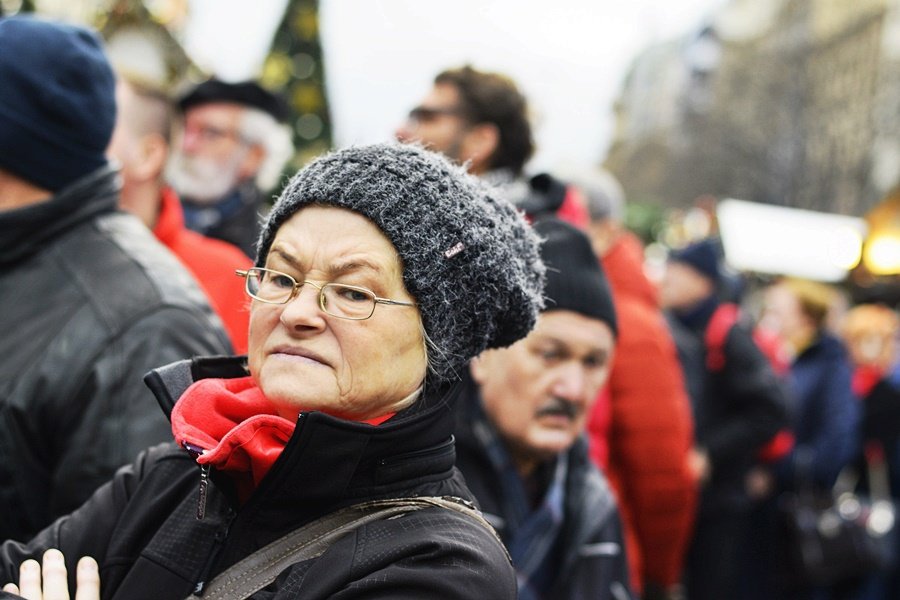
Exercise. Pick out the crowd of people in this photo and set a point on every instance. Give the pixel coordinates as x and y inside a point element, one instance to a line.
<point>420,372</point>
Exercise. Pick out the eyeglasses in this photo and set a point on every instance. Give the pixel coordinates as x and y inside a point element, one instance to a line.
<point>210,134</point>
<point>422,114</point>
<point>335,299</point>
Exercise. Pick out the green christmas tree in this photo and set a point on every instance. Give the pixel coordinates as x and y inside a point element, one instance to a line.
<point>295,67</point>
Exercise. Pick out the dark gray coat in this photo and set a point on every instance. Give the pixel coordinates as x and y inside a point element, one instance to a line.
<point>89,302</point>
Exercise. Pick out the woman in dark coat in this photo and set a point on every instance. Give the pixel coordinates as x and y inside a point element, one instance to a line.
<point>824,418</point>
<point>381,270</point>
<point>870,331</point>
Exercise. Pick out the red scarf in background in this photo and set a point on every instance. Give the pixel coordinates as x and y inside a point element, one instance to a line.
<point>865,378</point>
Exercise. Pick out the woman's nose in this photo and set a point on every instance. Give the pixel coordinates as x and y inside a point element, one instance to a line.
<point>303,311</point>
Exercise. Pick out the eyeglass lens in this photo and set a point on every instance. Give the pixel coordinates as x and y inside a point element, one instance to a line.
<point>335,299</point>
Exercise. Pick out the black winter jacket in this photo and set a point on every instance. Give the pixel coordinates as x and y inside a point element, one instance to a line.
<point>591,563</point>
<point>737,409</point>
<point>89,302</point>
<point>144,531</point>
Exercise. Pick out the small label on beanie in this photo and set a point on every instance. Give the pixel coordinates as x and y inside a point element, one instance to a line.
<point>453,251</point>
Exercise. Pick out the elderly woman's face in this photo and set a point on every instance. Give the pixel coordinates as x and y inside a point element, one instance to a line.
<point>304,359</point>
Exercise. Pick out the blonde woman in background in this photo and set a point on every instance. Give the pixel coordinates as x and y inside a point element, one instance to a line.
<point>871,331</point>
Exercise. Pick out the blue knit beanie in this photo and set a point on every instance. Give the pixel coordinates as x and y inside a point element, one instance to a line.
<point>57,101</point>
<point>703,257</point>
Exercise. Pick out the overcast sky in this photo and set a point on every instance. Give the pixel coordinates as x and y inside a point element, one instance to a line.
<point>569,57</point>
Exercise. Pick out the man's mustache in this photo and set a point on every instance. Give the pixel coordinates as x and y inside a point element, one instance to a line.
<point>559,407</point>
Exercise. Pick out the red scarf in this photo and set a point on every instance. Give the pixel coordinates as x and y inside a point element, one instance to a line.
<point>865,378</point>
<point>237,427</point>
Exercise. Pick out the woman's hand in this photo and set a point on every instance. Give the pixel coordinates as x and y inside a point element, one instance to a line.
<point>50,583</point>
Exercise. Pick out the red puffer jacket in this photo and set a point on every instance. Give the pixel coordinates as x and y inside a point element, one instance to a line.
<point>650,428</point>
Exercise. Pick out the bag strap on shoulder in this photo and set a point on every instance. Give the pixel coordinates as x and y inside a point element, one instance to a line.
<point>721,322</point>
<point>259,569</point>
<point>725,317</point>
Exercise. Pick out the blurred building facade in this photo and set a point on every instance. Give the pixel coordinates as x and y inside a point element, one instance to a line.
<point>789,102</point>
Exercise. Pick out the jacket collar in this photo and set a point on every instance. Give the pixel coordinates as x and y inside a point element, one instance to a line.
<point>539,195</point>
<point>330,462</point>
<point>697,317</point>
<point>27,230</point>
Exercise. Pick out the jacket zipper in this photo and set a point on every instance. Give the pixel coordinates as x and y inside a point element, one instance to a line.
<point>196,452</point>
<point>221,534</point>
<point>214,551</point>
<point>416,453</point>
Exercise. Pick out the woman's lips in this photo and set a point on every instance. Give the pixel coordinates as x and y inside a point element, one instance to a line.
<point>298,355</point>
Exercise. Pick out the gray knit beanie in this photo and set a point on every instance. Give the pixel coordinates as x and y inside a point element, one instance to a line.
<point>469,258</point>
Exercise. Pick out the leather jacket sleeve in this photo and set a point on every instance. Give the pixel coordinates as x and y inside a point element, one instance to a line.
<point>93,416</point>
<point>86,531</point>
<point>120,417</point>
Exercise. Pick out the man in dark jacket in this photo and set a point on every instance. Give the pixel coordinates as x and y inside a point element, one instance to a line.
<point>738,406</point>
<point>90,301</point>
<point>520,434</point>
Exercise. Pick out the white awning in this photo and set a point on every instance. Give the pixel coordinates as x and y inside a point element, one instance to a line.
<point>787,241</point>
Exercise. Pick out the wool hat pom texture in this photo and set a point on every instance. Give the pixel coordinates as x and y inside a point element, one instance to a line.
<point>469,258</point>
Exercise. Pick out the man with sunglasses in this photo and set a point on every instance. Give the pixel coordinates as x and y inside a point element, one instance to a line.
<point>480,119</point>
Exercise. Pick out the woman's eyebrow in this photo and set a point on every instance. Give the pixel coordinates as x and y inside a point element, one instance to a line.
<point>287,258</point>
<point>339,268</point>
<point>355,264</point>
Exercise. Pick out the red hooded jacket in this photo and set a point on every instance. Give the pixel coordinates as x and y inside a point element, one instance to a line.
<point>649,428</point>
<point>213,263</point>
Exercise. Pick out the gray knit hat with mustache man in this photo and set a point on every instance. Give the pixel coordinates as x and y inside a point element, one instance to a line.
<point>470,259</point>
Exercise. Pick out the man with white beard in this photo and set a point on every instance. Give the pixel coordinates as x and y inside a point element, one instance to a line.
<point>230,150</point>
